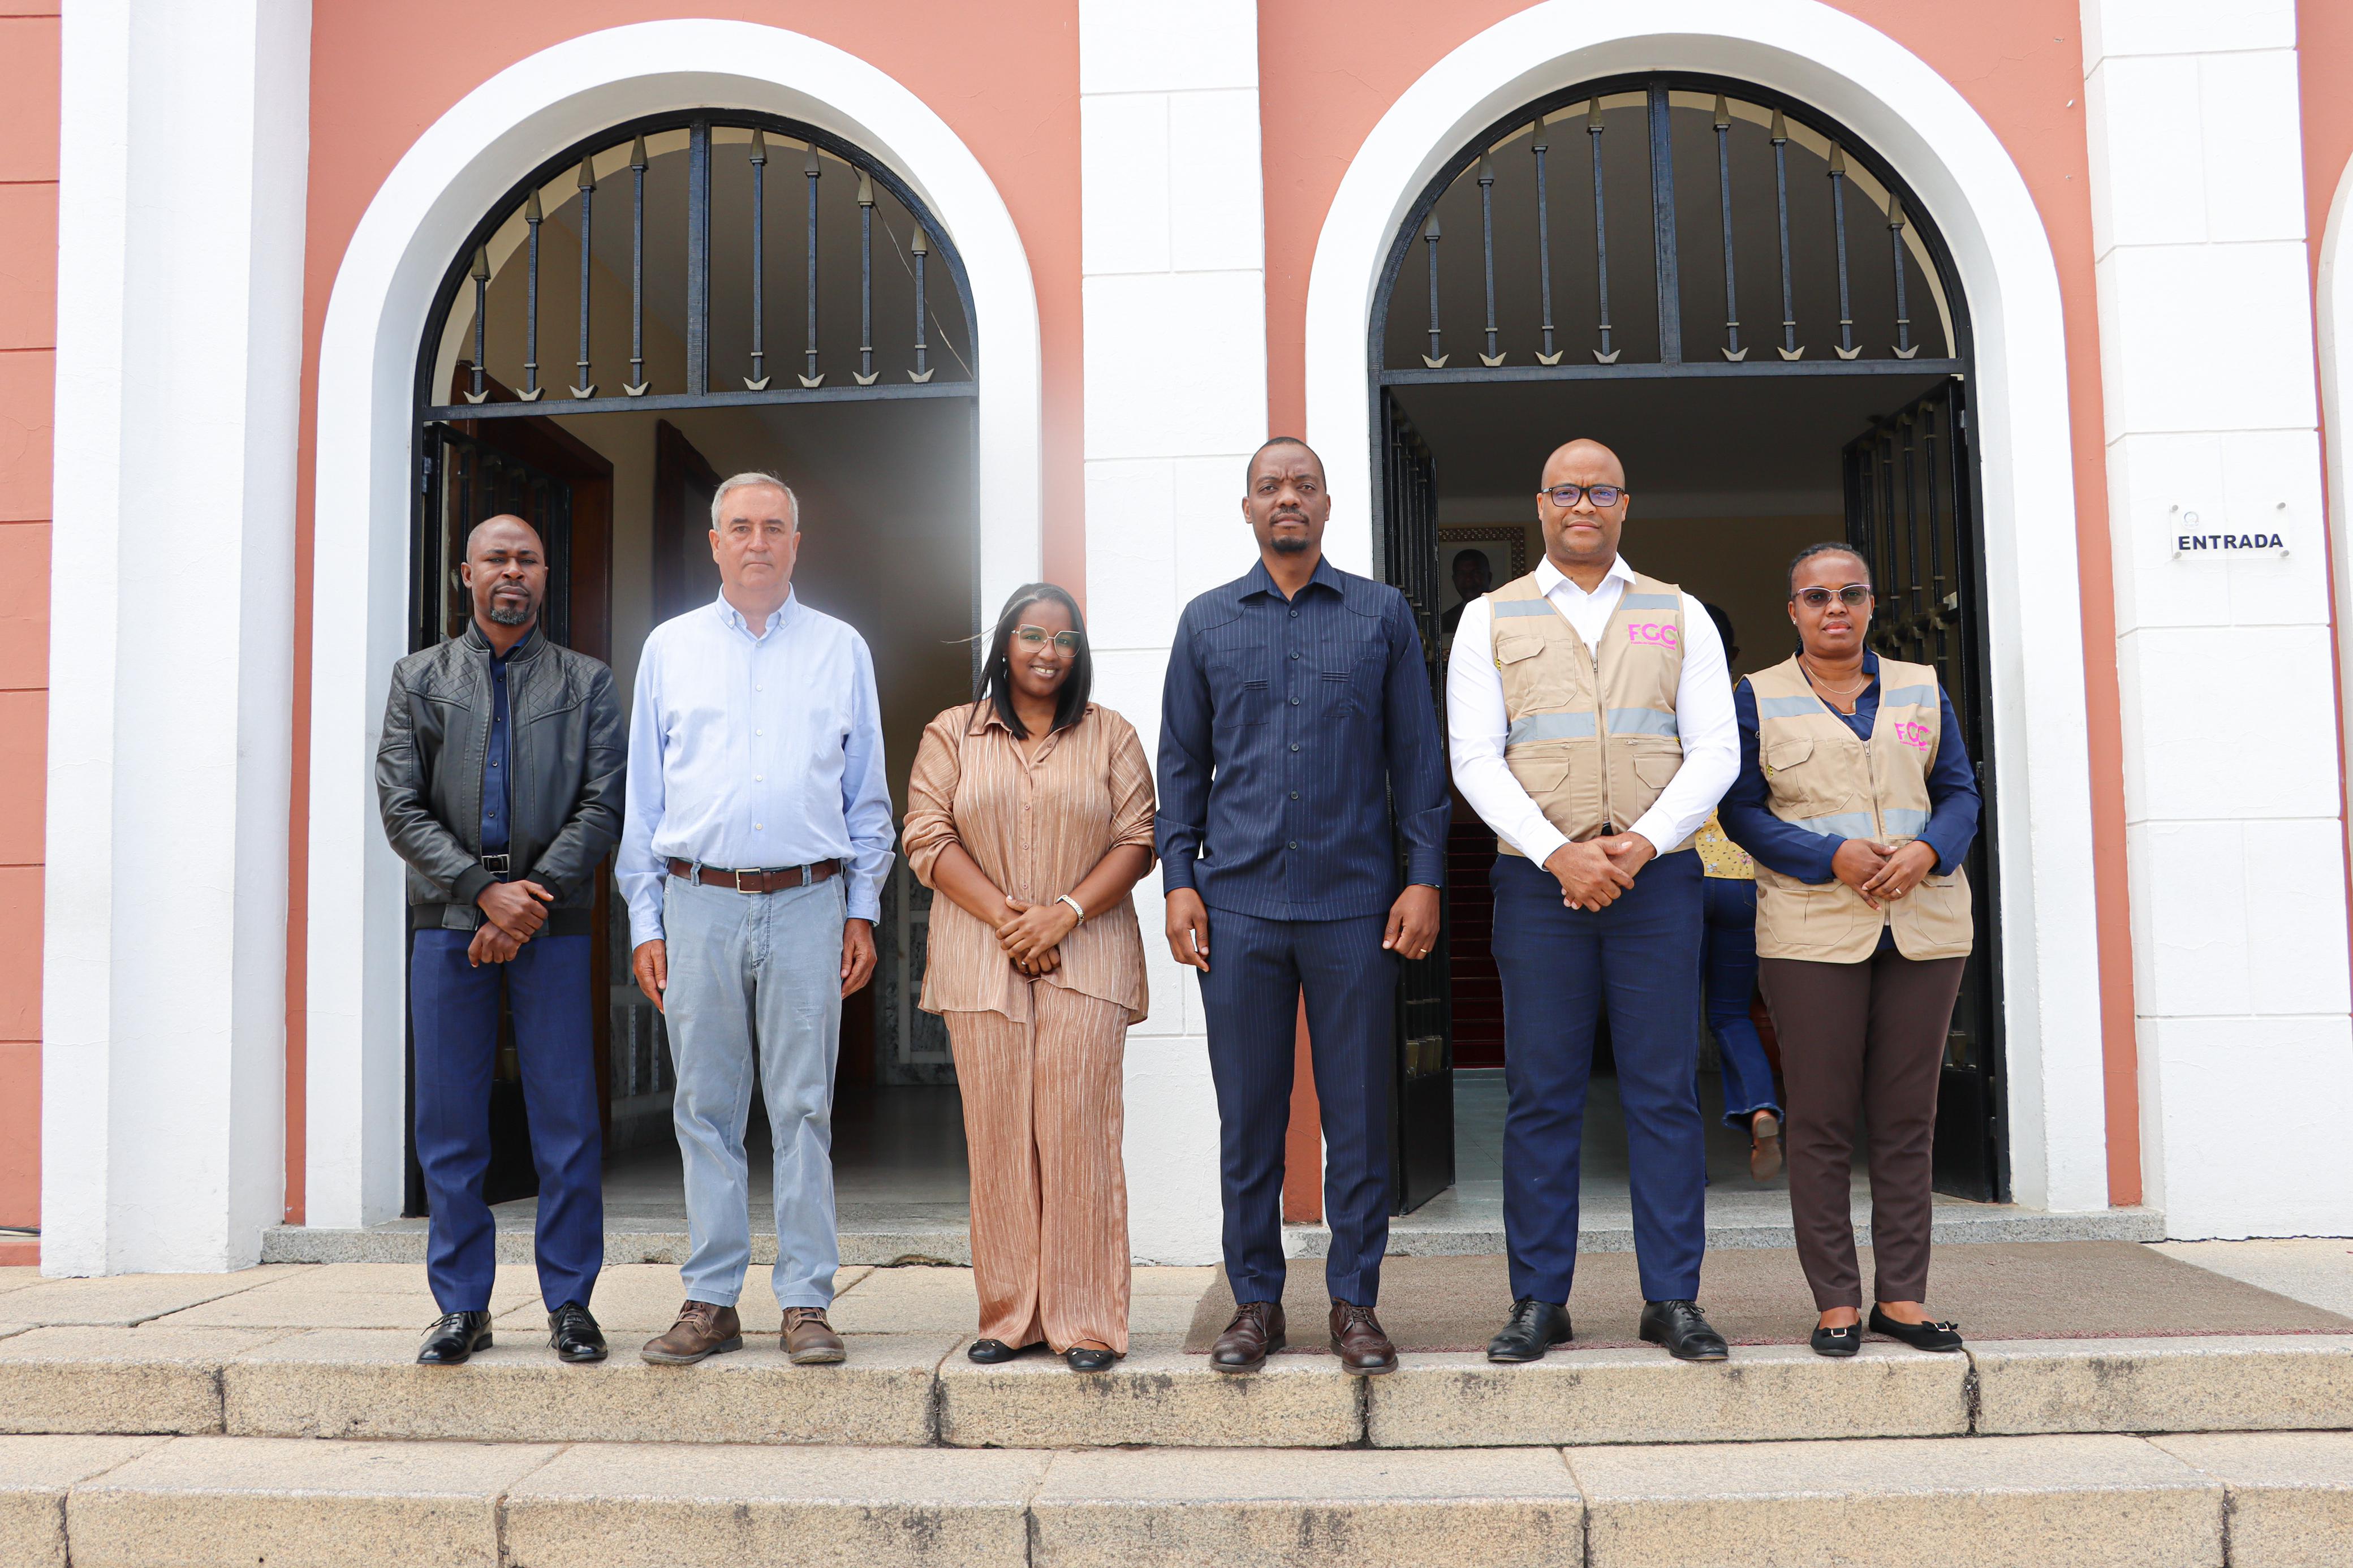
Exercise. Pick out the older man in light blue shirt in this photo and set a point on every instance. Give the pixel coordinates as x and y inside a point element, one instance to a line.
<point>753,847</point>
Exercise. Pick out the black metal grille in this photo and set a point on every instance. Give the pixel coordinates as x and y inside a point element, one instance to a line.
<point>1843,302</point>
<point>686,171</point>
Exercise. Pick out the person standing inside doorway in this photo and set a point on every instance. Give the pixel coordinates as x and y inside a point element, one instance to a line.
<point>1591,722</point>
<point>1858,801</point>
<point>1030,810</point>
<point>1728,961</point>
<point>1298,743</point>
<point>757,838</point>
<point>499,775</point>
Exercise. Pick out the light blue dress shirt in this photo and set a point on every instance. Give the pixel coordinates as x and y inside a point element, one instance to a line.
<point>752,753</point>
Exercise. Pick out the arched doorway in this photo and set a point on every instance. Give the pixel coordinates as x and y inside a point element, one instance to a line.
<point>675,298</point>
<point>1747,300</point>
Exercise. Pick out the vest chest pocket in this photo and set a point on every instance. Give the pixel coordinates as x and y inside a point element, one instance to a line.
<point>1802,775</point>
<point>1534,684</point>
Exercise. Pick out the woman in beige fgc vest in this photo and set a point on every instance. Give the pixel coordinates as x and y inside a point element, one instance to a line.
<point>1858,801</point>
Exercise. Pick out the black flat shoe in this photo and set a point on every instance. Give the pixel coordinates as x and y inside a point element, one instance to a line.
<point>989,1352</point>
<point>1533,1327</point>
<point>572,1331</point>
<point>1090,1358</point>
<point>1939,1337</point>
<point>453,1337</point>
<point>1842,1342</point>
<point>1678,1326</point>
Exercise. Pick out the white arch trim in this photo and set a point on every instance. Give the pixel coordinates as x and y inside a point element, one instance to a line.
<point>2333,305</point>
<point>2057,1107</point>
<point>367,361</point>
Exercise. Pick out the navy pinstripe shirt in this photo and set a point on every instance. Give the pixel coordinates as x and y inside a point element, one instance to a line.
<point>1286,727</point>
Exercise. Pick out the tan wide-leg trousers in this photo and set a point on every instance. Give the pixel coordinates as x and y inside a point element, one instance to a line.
<point>1043,1118</point>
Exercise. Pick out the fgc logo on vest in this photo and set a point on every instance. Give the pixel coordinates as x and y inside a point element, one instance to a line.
<point>1655,634</point>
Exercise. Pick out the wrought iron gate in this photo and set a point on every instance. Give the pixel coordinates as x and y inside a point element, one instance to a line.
<point>1911,509</point>
<point>1421,1091</point>
<point>461,480</point>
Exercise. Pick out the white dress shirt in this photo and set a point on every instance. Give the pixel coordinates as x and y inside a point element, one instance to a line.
<point>1475,723</point>
<point>753,752</point>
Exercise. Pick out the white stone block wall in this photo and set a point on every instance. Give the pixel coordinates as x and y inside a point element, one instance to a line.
<point>1173,260</point>
<point>2226,661</point>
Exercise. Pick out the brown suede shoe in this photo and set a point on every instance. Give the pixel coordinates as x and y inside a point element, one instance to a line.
<point>809,1339</point>
<point>1255,1332</point>
<point>703,1329</point>
<point>1357,1341</point>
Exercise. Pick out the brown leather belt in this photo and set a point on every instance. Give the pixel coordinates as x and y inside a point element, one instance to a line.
<point>770,882</point>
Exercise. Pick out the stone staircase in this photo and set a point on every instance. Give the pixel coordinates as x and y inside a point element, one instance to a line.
<point>159,1426</point>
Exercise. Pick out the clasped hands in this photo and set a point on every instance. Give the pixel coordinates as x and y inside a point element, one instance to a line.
<point>513,914</point>
<point>1031,934</point>
<point>1592,874</point>
<point>1882,872</point>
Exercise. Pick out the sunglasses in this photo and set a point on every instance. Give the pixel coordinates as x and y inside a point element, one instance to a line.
<point>1038,636</point>
<point>1603,496</point>
<point>1854,596</point>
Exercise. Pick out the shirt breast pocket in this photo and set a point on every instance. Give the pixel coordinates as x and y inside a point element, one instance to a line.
<point>1351,689</point>
<point>1239,692</point>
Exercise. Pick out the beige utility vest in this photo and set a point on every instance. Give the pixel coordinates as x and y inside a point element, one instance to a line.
<point>1592,742</point>
<point>1827,780</point>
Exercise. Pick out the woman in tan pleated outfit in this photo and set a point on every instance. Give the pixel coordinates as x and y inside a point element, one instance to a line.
<point>1030,812</point>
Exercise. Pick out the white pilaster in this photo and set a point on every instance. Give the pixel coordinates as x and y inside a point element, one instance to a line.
<point>1174,259</point>
<point>2225,659</point>
<point>179,370</point>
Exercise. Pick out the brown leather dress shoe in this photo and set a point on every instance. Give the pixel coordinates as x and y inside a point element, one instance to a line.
<point>1357,1341</point>
<point>809,1339</point>
<point>703,1329</point>
<point>1255,1332</point>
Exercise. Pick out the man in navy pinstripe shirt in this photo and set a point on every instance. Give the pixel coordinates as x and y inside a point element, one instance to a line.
<point>1297,708</point>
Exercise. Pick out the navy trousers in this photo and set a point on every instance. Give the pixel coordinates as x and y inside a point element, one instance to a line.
<point>454,1013</point>
<point>1729,958</point>
<point>1561,967</point>
<point>1251,995</point>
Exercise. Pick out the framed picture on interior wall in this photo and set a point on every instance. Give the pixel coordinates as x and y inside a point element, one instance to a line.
<point>1473,560</point>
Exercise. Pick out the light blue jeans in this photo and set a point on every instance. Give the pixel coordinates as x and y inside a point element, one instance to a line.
<point>755,972</point>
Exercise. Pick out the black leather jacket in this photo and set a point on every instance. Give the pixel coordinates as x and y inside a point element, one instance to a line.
<point>567,756</point>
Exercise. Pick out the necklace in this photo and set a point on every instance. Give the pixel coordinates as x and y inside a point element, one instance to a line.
<point>1862,679</point>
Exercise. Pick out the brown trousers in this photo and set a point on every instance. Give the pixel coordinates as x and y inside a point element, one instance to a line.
<point>1867,1036</point>
<point>1043,1119</point>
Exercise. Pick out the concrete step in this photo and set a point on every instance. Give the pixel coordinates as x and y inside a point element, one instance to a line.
<point>2255,1502</point>
<point>914,1389</point>
<point>1453,1224</point>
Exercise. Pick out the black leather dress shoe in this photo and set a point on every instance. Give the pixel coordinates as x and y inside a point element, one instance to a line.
<point>1678,1326</point>
<point>1090,1358</point>
<point>1941,1337</point>
<point>453,1337</point>
<point>1533,1327</point>
<point>573,1333</point>
<point>989,1352</point>
<point>1842,1342</point>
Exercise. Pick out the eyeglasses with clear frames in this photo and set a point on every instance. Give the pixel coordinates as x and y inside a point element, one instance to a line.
<point>1038,636</point>
<point>1854,596</point>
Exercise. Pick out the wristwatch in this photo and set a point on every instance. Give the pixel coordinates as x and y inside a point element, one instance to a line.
<point>1076,908</point>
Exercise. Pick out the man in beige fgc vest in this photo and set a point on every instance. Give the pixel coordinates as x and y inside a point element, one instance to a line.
<point>1591,724</point>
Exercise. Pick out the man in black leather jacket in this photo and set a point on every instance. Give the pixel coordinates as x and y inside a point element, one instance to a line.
<point>500,780</point>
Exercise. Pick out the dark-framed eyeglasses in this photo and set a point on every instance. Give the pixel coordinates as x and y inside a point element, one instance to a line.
<point>1035,637</point>
<point>1602,496</point>
<point>1854,596</point>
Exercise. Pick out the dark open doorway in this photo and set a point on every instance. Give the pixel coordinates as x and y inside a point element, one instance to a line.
<point>1725,286</point>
